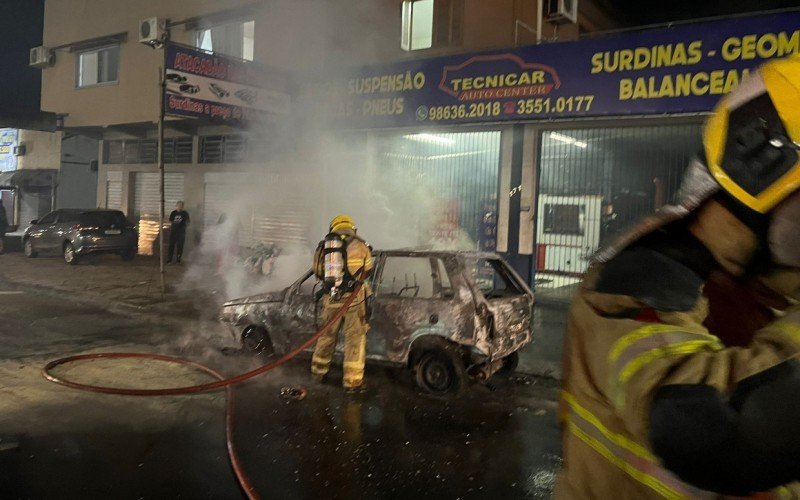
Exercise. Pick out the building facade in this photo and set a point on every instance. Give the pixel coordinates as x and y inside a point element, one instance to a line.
<point>104,84</point>
<point>517,160</point>
<point>29,165</point>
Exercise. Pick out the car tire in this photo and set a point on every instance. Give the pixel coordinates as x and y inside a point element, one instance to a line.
<point>70,257</point>
<point>510,364</point>
<point>255,339</point>
<point>28,249</point>
<point>440,372</point>
<point>128,255</point>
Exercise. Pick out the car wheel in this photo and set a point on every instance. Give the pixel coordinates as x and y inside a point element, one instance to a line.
<point>29,251</point>
<point>128,255</point>
<point>70,257</point>
<point>440,372</point>
<point>255,339</point>
<point>510,363</point>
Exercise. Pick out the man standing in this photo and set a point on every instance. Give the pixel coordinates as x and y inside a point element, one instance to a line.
<point>342,261</point>
<point>680,378</point>
<point>177,234</point>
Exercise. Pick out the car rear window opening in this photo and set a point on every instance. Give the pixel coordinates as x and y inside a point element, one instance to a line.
<point>103,219</point>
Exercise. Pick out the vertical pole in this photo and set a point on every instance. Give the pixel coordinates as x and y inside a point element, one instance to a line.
<point>539,15</point>
<point>162,90</point>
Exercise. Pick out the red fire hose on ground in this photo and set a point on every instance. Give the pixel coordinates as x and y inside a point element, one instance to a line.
<point>221,382</point>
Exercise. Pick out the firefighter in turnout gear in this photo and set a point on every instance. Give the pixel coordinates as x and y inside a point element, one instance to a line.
<point>681,374</point>
<point>341,261</point>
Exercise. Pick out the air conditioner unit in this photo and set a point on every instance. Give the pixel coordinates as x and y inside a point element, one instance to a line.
<point>152,30</point>
<point>41,57</point>
<point>561,11</point>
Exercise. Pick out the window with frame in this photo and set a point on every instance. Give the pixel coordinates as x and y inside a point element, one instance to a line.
<point>235,39</point>
<point>564,219</point>
<point>233,148</point>
<point>138,151</point>
<point>431,23</point>
<point>98,66</point>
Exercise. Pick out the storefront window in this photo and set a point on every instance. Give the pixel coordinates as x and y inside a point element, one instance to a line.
<point>446,183</point>
<point>594,184</point>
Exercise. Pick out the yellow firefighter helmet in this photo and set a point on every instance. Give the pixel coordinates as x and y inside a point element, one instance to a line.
<point>751,141</point>
<point>342,222</point>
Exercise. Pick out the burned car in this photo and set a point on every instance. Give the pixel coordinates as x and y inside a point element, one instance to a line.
<point>447,316</point>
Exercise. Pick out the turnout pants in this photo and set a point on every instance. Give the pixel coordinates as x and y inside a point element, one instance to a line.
<point>355,340</point>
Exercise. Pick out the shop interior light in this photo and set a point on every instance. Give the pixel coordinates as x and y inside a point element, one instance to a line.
<point>458,155</point>
<point>568,140</point>
<point>430,138</point>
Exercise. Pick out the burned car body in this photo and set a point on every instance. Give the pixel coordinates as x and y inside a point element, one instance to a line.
<point>470,309</point>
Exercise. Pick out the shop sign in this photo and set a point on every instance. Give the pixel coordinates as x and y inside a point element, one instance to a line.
<point>219,88</point>
<point>673,70</point>
<point>8,141</point>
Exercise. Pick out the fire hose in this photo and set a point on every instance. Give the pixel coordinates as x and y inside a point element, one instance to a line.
<point>221,382</point>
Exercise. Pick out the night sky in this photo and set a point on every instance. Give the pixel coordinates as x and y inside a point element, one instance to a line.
<point>20,29</point>
<point>643,12</point>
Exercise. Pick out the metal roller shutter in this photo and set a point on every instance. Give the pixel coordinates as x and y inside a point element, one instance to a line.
<point>114,190</point>
<point>266,223</point>
<point>146,196</point>
<point>32,206</point>
<point>219,197</point>
<point>286,223</point>
<point>594,183</point>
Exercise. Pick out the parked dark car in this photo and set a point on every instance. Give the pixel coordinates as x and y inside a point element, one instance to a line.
<point>444,315</point>
<point>74,233</point>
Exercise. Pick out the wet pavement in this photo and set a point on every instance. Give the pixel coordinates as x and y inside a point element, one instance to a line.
<point>133,287</point>
<point>60,443</point>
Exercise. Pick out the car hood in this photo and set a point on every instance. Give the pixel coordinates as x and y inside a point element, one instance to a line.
<point>260,298</point>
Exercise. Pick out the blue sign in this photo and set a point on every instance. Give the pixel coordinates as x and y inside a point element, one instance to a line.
<point>8,140</point>
<point>678,69</point>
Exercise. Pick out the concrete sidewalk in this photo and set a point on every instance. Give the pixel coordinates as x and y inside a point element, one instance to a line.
<point>107,280</point>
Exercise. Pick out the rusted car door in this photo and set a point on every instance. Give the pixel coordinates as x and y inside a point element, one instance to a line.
<point>509,303</point>
<point>301,311</point>
<point>413,297</point>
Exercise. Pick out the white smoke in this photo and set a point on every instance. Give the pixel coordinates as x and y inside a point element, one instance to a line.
<point>312,174</point>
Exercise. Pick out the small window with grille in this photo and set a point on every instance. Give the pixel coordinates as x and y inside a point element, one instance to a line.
<point>145,151</point>
<point>223,149</point>
<point>178,150</point>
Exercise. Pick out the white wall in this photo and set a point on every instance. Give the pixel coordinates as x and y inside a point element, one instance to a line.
<point>42,150</point>
<point>77,182</point>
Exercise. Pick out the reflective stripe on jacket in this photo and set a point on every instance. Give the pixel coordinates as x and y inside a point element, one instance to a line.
<point>612,368</point>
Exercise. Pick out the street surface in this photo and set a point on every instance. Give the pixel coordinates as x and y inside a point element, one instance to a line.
<point>57,442</point>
